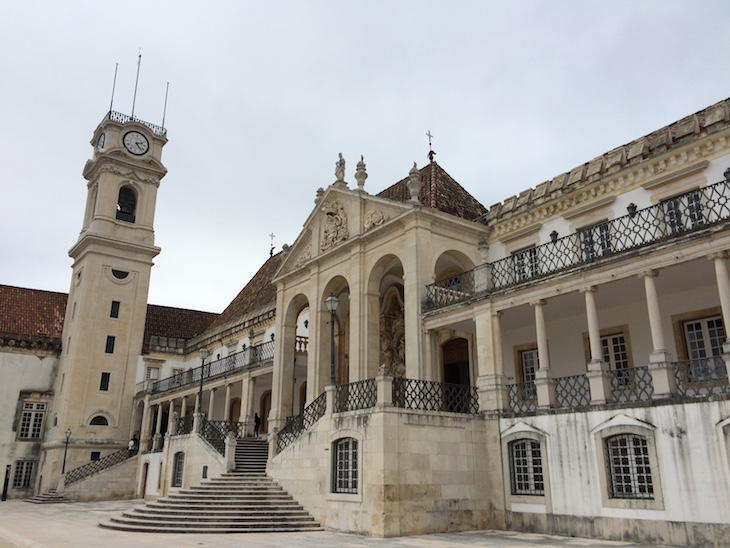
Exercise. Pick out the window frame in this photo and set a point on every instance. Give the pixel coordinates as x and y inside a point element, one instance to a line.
<point>32,428</point>
<point>683,212</point>
<point>332,494</point>
<point>177,478</point>
<point>110,343</point>
<point>595,241</point>
<point>523,432</point>
<point>345,471</point>
<point>23,474</point>
<point>114,312</point>
<point>529,466</point>
<point>525,264</point>
<point>105,381</point>
<point>635,429</point>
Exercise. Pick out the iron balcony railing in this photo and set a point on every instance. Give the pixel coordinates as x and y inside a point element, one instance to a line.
<point>238,428</point>
<point>356,395</point>
<point>669,219</point>
<point>435,396</point>
<point>632,384</point>
<point>702,377</point>
<point>184,425</point>
<point>522,397</point>
<point>96,466</point>
<point>124,118</point>
<point>572,391</point>
<point>212,434</point>
<point>302,422</point>
<point>249,358</point>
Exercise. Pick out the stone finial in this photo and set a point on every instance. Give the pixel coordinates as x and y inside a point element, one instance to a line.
<point>483,247</point>
<point>318,198</point>
<point>360,174</point>
<point>414,183</point>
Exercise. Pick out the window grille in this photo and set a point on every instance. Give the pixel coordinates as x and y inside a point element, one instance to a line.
<point>23,474</point>
<point>627,457</point>
<point>178,469</point>
<point>31,422</point>
<point>345,466</point>
<point>526,468</point>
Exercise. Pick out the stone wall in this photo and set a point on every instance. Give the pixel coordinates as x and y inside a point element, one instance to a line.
<point>420,472</point>
<point>117,482</point>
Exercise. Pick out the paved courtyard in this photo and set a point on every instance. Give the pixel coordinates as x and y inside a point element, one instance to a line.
<point>75,524</point>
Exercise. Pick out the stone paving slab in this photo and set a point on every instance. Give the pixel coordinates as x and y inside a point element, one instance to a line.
<point>76,524</point>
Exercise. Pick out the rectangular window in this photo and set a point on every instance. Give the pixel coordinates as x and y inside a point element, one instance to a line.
<point>616,356</point>
<point>344,467</point>
<point>153,373</point>
<point>110,339</point>
<point>95,455</point>
<point>104,385</point>
<point>23,474</point>
<point>525,264</point>
<point>529,363</point>
<point>627,458</point>
<point>596,241</point>
<point>31,421</point>
<point>683,212</point>
<point>526,468</point>
<point>704,337</point>
<point>115,310</point>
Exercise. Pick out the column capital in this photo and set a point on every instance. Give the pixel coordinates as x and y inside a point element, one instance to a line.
<point>538,302</point>
<point>718,255</point>
<point>589,289</point>
<point>648,274</point>
<point>497,313</point>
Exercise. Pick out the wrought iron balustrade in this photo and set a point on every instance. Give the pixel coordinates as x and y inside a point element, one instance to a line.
<point>238,428</point>
<point>632,384</point>
<point>356,395</point>
<point>691,211</point>
<point>302,422</point>
<point>573,391</point>
<point>96,466</point>
<point>124,118</point>
<point>212,434</point>
<point>249,358</point>
<point>522,397</point>
<point>702,377</point>
<point>434,396</point>
<point>184,425</point>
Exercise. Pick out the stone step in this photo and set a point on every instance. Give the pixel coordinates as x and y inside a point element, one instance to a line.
<point>153,528</point>
<point>229,517</point>
<point>254,513</point>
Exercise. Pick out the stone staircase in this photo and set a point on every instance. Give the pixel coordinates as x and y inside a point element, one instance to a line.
<point>49,497</point>
<point>242,501</point>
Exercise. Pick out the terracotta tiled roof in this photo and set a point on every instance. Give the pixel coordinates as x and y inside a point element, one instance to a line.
<point>37,316</point>
<point>176,323</point>
<point>258,294</point>
<point>29,314</point>
<point>445,194</point>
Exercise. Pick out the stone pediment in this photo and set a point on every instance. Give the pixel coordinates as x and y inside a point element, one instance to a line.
<point>339,217</point>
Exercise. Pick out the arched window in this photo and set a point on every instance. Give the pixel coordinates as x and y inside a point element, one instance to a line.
<point>344,466</point>
<point>126,204</point>
<point>629,470</point>
<point>177,469</point>
<point>526,467</point>
<point>99,420</point>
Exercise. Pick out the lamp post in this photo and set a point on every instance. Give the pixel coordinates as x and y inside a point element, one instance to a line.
<point>65,450</point>
<point>331,303</point>
<point>203,355</point>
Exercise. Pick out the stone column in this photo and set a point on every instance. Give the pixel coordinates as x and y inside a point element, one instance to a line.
<point>170,418</point>
<point>371,329</point>
<point>384,382</point>
<point>144,435</point>
<point>544,384</point>
<point>599,378</point>
<point>227,407</point>
<point>491,381</point>
<point>248,392</point>
<point>183,406</point>
<point>660,361</point>
<point>211,403</point>
<point>157,438</point>
<point>723,283</point>
<point>284,355</point>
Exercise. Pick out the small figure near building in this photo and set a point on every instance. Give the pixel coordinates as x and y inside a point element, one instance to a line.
<point>256,424</point>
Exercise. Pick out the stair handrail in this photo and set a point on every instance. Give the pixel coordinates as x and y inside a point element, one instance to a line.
<point>212,434</point>
<point>96,466</point>
<point>304,421</point>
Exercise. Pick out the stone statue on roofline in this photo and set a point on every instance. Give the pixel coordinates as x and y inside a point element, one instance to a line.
<point>340,170</point>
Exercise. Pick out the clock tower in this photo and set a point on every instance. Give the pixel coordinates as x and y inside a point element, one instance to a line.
<point>107,303</point>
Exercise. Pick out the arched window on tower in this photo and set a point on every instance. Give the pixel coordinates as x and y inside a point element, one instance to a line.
<point>126,204</point>
<point>99,420</point>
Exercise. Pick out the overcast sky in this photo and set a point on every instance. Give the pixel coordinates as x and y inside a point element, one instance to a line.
<point>264,95</point>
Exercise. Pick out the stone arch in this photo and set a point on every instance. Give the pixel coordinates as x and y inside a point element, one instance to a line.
<point>451,263</point>
<point>340,288</point>
<point>386,330</point>
<point>98,414</point>
<point>127,203</point>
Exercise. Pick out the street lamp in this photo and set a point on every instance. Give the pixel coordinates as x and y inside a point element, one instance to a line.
<point>65,450</point>
<point>331,303</point>
<point>203,355</point>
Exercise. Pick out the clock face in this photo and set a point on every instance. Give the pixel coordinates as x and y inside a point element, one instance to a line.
<point>136,143</point>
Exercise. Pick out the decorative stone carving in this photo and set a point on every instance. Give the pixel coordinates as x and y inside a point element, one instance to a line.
<point>361,174</point>
<point>374,218</point>
<point>393,332</point>
<point>304,256</point>
<point>414,183</point>
<point>335,225</point>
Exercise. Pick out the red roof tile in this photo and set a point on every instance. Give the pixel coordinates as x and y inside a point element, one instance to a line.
<point>445,194</point>
<point>27,313</point>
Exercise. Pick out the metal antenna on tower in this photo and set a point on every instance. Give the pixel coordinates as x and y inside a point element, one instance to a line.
<point>164,110</point>
<point>134,100</point>
<point>114,85</point>
<point>271,252</point>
